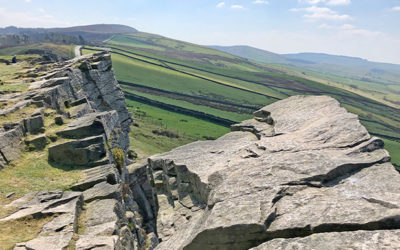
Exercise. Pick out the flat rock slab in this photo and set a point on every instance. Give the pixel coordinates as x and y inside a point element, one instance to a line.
<point>103,217</point>
<point>303,166</point>
<point>358,240</point>
<point>46,202</point>
<point>88,151</point>
<point>98,243</point>
<point>89,125</point>
<point>103,190</point>
<point>104,173</point>
<point>54,242</point>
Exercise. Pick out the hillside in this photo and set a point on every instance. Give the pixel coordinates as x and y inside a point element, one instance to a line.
<point>13,36</point>
<point>220,88</point>
<point>252,53</point>
<point>94,28</point>
<point>346,61</point>
<point>378,81</point>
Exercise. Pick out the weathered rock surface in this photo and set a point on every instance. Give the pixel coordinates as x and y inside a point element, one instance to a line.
<point>90,151</point>
<point>376,240</point>
<point>79,110</point>
<point>304,167</point>
<point>106,173</point>
<point>45,203</point>
<point>83,88</point>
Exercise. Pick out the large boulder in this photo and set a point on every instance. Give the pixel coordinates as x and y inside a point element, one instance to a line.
<point>11,143</point>
<point>90,151</point>
<point>302,166</point>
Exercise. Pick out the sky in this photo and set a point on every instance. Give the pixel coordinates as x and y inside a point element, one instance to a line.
<point>368,29</point>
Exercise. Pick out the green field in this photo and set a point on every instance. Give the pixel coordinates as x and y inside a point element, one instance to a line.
<point>149,118</point>
<point>206,80</point>
<point>64,51</point>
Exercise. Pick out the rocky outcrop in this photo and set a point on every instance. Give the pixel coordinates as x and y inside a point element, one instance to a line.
<point>76,114</point>
<point>84,89</point>
<point>304,173</point>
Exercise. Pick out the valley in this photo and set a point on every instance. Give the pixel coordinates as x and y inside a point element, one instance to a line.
<point>218,84</point>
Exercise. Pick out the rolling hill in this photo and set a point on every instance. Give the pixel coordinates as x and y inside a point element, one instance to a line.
<point>378,81</point>
<point>221,88</point>
<point>181,92</point>
<point>94,28</point>
<point>87,34</point>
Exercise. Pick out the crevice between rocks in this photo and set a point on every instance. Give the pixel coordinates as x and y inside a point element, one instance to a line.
<point>341,172</point>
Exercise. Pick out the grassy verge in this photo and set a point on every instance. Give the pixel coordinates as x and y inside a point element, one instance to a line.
<point>394,149</point>
<point>32,173</point>
<point>64,51</point>
<point>148,119</point>
<point>22,230</point>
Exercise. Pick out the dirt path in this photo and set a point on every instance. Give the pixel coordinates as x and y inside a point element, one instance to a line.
<point>78,51</point>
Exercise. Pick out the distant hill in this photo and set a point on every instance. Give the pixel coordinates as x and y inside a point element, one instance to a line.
<point>252,53</point>
<point>97,28</point>
<point>353,62</point>
<point>94,28</point>
<point>307,59</point>
<point>333,66</point>
<point>88,33</point>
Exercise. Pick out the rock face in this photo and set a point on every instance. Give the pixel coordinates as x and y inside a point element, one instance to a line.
<point>77,115</point>
<point>84,89</point>
<point>303,174</point>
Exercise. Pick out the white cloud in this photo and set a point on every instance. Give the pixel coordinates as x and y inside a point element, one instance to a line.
<point>363,32</point>
<point>28,1</point>
<point>327,2</point>
<point>338,2</point>
<point>260,2</point>
<point>28,19</point>
<point>221,4</point>
<point>396,8</point>
<point>347,26</point>
<point>321,13</point>
<point>349,29</point>
<point>312,1</point>
<point>237,7</point>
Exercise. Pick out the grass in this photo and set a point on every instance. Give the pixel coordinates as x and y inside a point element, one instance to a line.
<point>179,67</point>
<point>9,72</point>
<point>17,87</point>
<point>18,115</point>
<point>213,111</point>
<point>64,51</point>
<point>20,230</point>
<point>394,149</point>
<point>33,173</point>
<point>148,118</point>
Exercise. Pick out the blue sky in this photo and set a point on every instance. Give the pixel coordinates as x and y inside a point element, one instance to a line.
<point>364,28</point>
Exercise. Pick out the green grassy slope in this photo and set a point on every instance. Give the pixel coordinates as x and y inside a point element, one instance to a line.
<point>185,128</point>
<point>202,79</point>
<point>64,51</point>
<point>378,81</point>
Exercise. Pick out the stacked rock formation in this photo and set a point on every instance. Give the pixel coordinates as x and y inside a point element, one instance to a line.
<point>303,174</point>
<point>79,109</point>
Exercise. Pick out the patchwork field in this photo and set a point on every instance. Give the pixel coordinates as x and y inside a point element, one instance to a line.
<point>179,76</point>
